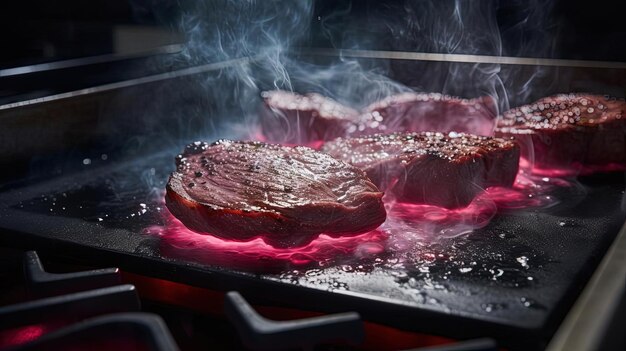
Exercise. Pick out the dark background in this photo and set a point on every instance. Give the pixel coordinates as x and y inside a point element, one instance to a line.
<point>108,41</point>
<point>43,31</point>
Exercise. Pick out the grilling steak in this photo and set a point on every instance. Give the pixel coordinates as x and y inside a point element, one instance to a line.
<point>310,119</point>
<point>431,168</point>
<point>569,130</point>
<point>421,112</point>
<point>240,190</point>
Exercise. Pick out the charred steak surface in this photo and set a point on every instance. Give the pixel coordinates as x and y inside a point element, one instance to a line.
<point>303,119</point>
<point>561,130</point>
<point>430,112</point>
<point>446,170</point>
<point>240,190</point>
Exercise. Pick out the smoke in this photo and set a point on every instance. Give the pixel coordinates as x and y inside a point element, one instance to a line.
<point>271,33</point>
<point>225,30</point>
<point>267,31</point>
<point>266,36</point>
<point>491,28</point>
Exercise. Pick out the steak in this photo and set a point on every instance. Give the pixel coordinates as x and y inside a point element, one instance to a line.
<point>241,190</point>
<point>311,119</point>
<point>568,130</point>
<point>421,112</point>
<point>431,168</point>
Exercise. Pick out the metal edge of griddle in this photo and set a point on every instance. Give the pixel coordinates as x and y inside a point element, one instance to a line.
<point>368,54</point>
<point>190,71</point>
<point>587,325</point>
<point>461,58</point>
<point>90,60</point>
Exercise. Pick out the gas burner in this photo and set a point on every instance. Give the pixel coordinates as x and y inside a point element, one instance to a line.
<point>42,283</point>
<point>92,309</point>
<point>259,333</point>
<point>75,310</point>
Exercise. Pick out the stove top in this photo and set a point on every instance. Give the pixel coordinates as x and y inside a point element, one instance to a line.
<point>514,279</point>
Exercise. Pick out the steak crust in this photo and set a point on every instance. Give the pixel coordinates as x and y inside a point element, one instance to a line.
<point>430,112</point>
<point>241,190</point>
<point>290,118</point>
<point>446,170</point>
<point>566,130</point>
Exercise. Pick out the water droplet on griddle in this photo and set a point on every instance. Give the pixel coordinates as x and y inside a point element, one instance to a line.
<point>523,260</point>
<point>490,307</point>
<point>433,301</point>
<point>497,273</point>
<point>313,272</point>
<point>567,223</point>
<point>87,161</point>
<point>530,303</point>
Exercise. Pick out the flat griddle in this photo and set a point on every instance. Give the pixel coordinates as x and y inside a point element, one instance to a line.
<point>527,266</point>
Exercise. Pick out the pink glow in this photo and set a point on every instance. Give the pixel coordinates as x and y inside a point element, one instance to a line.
<point>572,170</point>
<point>405,223</point>
<point>180,242</point>
<point>527,191</point>
<point>21,335</point>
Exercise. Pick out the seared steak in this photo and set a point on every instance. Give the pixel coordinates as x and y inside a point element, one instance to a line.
<point>569,129</point>
<point>310,119</point>
<point>431,168</point>
<point>287,195</point>
<point>421,112</point>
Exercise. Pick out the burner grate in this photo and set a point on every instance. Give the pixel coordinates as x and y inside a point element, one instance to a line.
<point>91,309</point>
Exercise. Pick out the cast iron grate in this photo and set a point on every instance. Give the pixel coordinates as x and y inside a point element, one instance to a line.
<point>92,309</point>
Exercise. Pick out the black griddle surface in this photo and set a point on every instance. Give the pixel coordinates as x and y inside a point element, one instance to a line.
<point>513,280</point>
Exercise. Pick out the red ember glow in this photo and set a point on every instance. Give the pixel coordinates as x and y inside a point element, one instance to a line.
<point>21,335</point>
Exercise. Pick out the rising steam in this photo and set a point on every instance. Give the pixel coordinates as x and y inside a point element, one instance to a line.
<point>267,35</point>
<point>270,33</point>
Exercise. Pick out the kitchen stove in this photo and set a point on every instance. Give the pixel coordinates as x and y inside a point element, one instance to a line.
<point>508,279</point>
<point>516,278</point>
